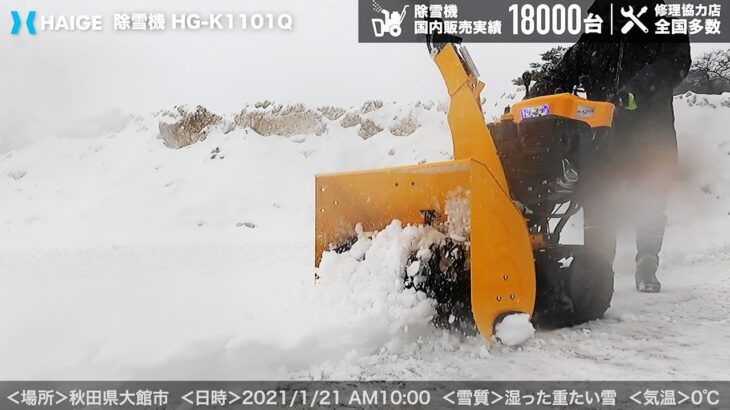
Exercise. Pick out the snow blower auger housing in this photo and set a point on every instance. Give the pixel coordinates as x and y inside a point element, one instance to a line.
<point>478,280</point>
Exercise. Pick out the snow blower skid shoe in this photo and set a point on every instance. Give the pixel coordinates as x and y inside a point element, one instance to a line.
<point>513,186</point>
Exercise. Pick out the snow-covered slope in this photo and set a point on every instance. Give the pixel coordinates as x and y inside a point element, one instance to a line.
<point>120,257</point>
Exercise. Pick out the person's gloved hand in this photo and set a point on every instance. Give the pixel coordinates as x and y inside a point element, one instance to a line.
<point>625,100</point>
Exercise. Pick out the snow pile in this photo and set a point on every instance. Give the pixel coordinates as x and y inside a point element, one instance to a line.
<point>268,118</point>
<point>514,330</point>
<point>368,279</point>
<point>186,126</point>
<point>183,125</point>
<point>712,101</point>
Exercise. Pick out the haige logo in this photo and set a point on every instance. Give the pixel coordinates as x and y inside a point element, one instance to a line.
<point>390,23</point>
<point>18,22</point>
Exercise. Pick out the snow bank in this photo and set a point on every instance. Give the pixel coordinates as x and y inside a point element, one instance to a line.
<point>184,125</point>
<point>187,126</point>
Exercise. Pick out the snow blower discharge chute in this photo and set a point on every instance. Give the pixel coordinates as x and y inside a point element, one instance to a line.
<point>521,177</point>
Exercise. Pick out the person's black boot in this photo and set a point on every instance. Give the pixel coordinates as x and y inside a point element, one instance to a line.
<point>646,281</point>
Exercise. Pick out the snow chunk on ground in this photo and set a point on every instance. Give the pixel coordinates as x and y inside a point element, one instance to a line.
<point>514,329</point>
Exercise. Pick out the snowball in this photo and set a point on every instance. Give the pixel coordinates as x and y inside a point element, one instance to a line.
<point>413,268</point>
<point>514,329</point>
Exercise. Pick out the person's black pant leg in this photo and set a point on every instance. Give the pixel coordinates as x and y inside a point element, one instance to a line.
<point>651,224</point>
<point>651,177</point>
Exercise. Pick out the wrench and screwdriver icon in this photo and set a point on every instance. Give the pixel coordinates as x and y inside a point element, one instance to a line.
<point>633,19</point>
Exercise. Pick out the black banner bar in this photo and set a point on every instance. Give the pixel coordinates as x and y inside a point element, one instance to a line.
<point>543,21</point>
<point>367,394</point>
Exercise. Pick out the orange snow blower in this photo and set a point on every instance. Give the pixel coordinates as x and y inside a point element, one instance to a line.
<point>516,175</point>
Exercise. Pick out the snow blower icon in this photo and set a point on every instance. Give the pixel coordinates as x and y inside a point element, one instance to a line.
<point>390,23</point>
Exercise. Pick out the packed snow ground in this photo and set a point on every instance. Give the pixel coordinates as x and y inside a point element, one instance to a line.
<point>120,258</point>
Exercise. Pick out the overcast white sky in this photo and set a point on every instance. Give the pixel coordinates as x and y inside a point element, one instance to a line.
<point>56,78</point>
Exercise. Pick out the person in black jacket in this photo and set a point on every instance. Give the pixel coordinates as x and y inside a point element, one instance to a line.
<point>637,72</point>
